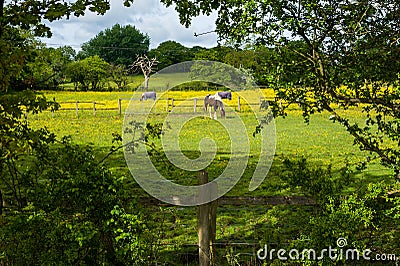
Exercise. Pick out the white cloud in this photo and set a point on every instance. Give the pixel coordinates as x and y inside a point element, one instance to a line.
<point>149,16</point>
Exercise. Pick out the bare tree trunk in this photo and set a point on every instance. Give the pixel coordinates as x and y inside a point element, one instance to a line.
<point>146,65</point>
<point>146,82</point>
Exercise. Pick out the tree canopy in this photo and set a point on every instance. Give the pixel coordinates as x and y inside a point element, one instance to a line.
<point>89,72</point>
<point>169,53</point>
<point>118,45</point>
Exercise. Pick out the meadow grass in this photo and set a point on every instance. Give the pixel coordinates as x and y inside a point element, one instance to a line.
<point>321,141</point>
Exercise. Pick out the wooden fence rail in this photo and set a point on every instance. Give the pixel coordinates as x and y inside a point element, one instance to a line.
<point>207,214</point>
<point>170,104</point>
<point>244,200</point>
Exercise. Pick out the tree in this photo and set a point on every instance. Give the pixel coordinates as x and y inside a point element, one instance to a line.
<point>118,75</point>
<point>47,69</point>
<point>18,17</point>
<point>217,53</point>
<point>169,53</point>
<point>218,74</point>
<point>88,73</point>
<point>16,47</point>
<point>146,66</point>
<point>345,52</point>
<point>118,45</point>
<point>256,59</point>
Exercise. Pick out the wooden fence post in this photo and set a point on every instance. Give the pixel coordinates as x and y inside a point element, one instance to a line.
<point>52,109</point>
<point>195,105</point>
<point>76,108</point>
<point>167,105</point>
<point>172,103</point>
<point>213,223</point>
<point>238,103</point>
<point>119,107</point>
<point>94,108</point>
<point>206,223</point>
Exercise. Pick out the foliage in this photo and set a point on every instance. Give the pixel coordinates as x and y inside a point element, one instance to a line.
<point>137,235</point>
<point>19,17</point>
<point>18,139</point>
<point>43,68</point>
<point>47,68</point>
<point>367,219</point>
<point>88,73</point>
<point>68,199</point>
<point>318,183</point>
<point>328,45</point>
<point>118,75</point>
<point>16,47</point>
<point>170,53</point>
<point>221,74</point>
<point>119,45</point>
<point>63,206</point>
<point>213,54</point>
<point>29,14</point>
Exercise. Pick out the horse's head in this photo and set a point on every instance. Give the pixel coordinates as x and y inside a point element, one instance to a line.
<point>206,103</point>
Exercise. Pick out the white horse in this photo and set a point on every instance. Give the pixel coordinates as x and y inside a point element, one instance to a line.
<point>148,95</point>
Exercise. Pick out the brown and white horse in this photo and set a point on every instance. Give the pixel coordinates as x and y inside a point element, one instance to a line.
<point>214,101</point>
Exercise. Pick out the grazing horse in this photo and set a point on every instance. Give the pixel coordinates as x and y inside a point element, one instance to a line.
<point>216,102</point>
<point>225,95</point>
<point>148,95</point>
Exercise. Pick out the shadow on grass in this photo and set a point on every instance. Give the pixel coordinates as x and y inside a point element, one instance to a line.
<point>241,230</point>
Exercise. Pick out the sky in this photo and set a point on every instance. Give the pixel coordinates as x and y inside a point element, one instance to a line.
<point>148,16</point>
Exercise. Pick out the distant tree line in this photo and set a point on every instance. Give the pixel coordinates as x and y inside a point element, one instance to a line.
<point>103,63</point>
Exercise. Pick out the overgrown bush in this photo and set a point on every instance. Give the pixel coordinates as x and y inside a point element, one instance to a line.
<point>367,219</point>
<point>58,203</point>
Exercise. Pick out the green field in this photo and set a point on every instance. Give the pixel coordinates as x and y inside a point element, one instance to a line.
<point>321,141</point>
